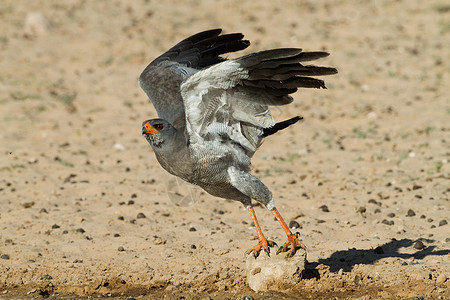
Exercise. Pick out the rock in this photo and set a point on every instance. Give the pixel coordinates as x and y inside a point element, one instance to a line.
<point>378,250</point>
<point>294,224</point>
<point>419,245</point>
<point>275,272</point>
<point>36,24</point>
<point>410,213</point>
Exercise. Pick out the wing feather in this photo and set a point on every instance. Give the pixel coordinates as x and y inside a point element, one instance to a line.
<point>162,78</point>
<point>230,100</point>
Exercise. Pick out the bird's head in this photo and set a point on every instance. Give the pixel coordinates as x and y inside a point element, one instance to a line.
<point>157,131</point>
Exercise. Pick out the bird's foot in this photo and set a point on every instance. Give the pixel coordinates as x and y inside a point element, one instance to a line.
<point>292,244</point>
<point>263,244</point>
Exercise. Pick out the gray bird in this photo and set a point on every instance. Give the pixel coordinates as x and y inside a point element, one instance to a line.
<point>214,113</point>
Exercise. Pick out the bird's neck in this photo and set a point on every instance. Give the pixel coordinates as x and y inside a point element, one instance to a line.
<point>174,154</point>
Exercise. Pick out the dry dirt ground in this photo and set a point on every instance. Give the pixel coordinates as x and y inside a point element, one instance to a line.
<point>85,209</point>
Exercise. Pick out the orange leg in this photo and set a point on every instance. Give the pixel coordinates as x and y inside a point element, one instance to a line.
<point>293,243</point>
<point>263,242</point>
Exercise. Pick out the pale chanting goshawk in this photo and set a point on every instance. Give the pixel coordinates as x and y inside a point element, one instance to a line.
<point>214,112</point>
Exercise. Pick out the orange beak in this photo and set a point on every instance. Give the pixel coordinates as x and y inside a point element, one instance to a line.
<point>149,129</point>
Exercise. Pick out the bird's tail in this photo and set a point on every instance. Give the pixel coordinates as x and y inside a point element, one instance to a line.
<point>279,126</point>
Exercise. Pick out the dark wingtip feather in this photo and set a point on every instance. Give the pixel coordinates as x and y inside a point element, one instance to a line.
<point>280,126</point>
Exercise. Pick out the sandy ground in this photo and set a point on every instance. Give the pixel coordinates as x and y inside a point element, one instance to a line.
<point>85,209</point>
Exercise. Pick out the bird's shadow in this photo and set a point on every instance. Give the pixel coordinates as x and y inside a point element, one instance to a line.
<point>346,259</point>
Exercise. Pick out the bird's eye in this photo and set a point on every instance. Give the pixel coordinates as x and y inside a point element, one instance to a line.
<point>159,126</point>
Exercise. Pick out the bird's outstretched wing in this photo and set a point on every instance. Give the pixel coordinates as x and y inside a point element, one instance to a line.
<point>162,78</point>
<point>229,101</point>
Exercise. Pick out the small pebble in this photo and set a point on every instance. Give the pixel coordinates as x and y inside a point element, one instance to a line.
<point>441,279</point>
<point>387,222</point>
<point>133,196</point>
<point>324,208</point>
<point>248,298</point>
<point>193,246</point>
<point>377,211</point>
<point>361,210</point>
<point>391,215</point>
<point>116,235</point>
<point>141,216</point>
<point>443,222</point>
<point>4,256</point>
<point>55,226</point>
<point>373,201</point>
<point>158,241</point>
<point>46,277</point>
<point>192,229</point>
<point>422,216</point>
<point>31,291</point>
<point>294,224</point>
<point>378,250</point>
<point>130,202</point>
<point>410,213</point>
<point>133,221</point>
<point>121,218</point>
<point>418,245</point>
<point>131,298</point>
<point>429,220</point>
<point>78,261</point>
<point>416,187</point>
<point>121,249</point>
<point>65,232</point>
<point>220,212</point>
<point>80,230</point>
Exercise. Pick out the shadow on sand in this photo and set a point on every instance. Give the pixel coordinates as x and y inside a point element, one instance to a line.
<point>346,259</point>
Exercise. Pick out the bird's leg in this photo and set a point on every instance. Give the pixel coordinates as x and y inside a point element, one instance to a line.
<point>292,243</point>
<point>263,242</point>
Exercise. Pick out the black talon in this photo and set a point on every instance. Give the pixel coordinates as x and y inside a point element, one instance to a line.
<point>267,252</point>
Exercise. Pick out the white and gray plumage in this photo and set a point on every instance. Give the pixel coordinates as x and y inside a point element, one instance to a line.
<point>213,114</point>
